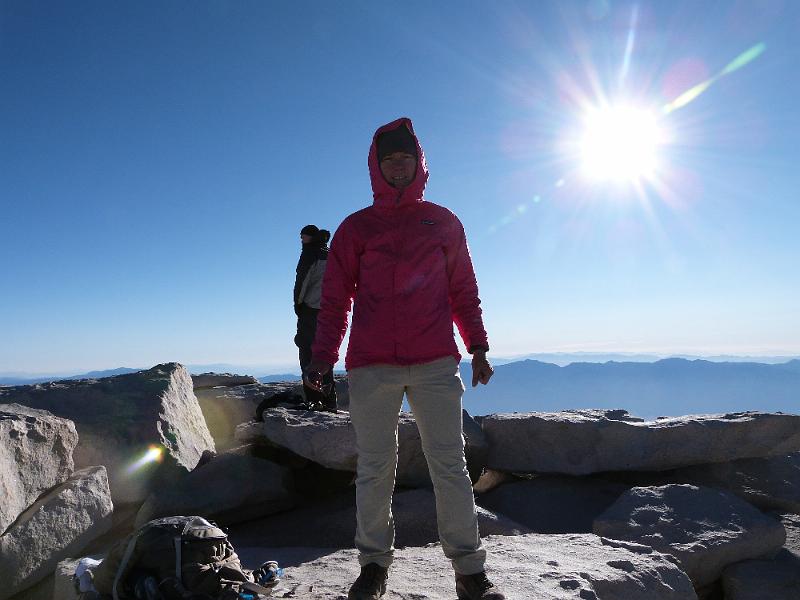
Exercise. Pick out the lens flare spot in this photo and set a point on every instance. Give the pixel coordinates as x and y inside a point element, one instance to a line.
<point>154,454</point>
<point>745,57</point>
<point>688,96</point>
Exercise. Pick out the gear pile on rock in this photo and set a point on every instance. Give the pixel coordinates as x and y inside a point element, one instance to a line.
<point>575,504</point>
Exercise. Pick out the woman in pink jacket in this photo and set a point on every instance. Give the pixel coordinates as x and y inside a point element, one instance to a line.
<point>404,265</point>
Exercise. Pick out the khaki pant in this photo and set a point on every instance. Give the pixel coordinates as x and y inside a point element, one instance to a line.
<point>434,393</point>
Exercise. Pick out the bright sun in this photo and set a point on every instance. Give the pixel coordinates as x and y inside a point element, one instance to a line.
<point>620,144</point>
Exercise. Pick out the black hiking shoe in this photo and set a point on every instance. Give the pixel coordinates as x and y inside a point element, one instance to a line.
<point>476,587</point>
<point>371,584</point>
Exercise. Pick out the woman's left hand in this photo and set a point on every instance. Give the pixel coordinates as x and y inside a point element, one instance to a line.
<point>481,369</point>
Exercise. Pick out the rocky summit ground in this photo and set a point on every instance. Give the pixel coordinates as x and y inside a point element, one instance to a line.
<point>546,567</point>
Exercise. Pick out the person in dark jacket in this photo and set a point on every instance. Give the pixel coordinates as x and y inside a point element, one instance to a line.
<point>307,292</point>
<point>404,266</point>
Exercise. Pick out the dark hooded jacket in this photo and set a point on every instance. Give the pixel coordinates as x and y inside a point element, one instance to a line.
<point>309,273</point>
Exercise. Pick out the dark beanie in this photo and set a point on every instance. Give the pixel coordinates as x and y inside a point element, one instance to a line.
<point>309,230</point>
<point>396,140</point>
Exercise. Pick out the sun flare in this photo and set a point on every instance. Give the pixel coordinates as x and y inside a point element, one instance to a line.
<point>154,454</point>
<point>620,144</point>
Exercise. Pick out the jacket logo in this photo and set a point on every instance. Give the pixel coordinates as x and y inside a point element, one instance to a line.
<point>427,222</point>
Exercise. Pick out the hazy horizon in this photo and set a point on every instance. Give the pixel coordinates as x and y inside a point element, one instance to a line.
<point>267,369</point>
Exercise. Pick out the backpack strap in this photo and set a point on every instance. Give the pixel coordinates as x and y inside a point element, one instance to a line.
<point>122,565</point>
<point>177,540</point>
<point>178,570</point>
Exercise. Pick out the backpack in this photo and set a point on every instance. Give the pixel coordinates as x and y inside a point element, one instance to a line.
<point>179,558</point>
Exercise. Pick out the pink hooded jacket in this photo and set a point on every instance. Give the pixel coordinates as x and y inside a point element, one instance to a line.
<point>406,264</point>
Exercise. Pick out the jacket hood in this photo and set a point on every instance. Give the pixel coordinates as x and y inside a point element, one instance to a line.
<point>386,196</point>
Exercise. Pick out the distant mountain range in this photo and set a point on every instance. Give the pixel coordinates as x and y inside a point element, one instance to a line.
<point>29,380</point>
<point>566,358</point>
<point>668,387</point>
<point>290,371</point>
<point>279,377</point>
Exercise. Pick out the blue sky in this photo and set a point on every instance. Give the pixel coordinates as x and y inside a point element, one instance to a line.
<point>159,158</point>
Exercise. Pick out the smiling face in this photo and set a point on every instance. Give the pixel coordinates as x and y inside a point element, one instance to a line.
<point>399,169</point>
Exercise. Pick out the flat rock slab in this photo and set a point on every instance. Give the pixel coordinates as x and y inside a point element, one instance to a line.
<point>226,407</point>
<point>553,503</point>
<point>119,418</point>
<point>232,487</point>
<point>35,455</point>
<point>589,441</point>
<point>705,529</point>
<point>329,439</point>
<point>207,380</point>
<point>332,523</point>
<point>768,483</point>
<point>544,567</point>
<point>57,526</point>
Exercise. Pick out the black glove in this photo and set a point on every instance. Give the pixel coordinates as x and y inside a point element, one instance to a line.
<point>297,309</point>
